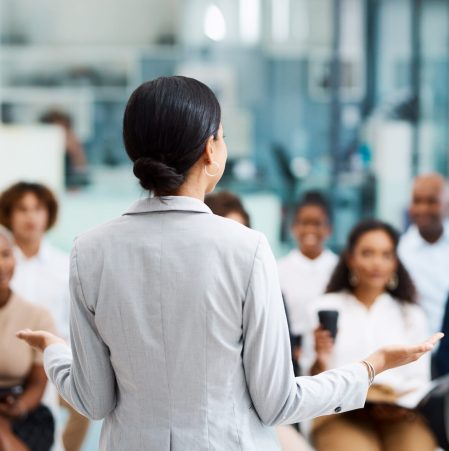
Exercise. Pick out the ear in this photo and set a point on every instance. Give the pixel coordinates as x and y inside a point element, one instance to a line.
<point>209,150</point>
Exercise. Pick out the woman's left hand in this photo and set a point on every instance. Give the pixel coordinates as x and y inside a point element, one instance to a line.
<point>39,339</point>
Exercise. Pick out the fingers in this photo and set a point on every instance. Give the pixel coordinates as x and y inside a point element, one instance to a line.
<point>22,333</point>
<point>434,339</point>
<point>428,345</point>
<point>28,335</point>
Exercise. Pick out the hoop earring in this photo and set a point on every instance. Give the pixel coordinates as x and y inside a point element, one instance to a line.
<point>353,279</point>
<point>208,173</point>
<point>392,284</point>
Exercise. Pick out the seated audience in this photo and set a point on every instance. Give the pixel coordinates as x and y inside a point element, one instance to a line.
<point>375,299</point>
<point>25,424</point>
<point>306,270</point>
<point>29,210</point>
<point>424,248</point>
<point>228,205</point>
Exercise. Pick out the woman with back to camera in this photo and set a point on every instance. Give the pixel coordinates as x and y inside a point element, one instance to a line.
<point>178,329</point>
<point>375,298</point>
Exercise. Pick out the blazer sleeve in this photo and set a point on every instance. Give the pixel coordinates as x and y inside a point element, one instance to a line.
<point>278,397</point>
<point>83,376</point>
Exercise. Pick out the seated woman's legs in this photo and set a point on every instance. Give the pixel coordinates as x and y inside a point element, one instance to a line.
<point>350,431</point>
<point>407,435</point>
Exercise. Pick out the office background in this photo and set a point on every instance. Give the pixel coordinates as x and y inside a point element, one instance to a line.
<point>347,96</point>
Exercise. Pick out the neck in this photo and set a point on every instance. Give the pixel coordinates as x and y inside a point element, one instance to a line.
<point>432,236</point>
<point>311,254</point>
<point>5,294</point>
<point>29,248</point>
<point>366,295</point>
<point>192,190</point>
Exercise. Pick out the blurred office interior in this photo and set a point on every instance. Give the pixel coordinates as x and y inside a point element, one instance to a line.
<point>350,97</point>
<point>347,96</point>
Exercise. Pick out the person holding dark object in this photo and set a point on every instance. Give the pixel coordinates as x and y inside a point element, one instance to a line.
<point>76,165</point>
<point>178,330</point>
<point>306,270</point>
<point>370,302</point>
<point>228,205</point>
<point>25,424</point>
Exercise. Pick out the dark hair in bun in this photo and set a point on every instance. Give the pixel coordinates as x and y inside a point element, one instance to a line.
<point>166,124</point>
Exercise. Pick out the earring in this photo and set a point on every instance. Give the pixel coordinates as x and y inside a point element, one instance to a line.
<point>353,279</point>
<point>392,284</point>
<point>208,173</point>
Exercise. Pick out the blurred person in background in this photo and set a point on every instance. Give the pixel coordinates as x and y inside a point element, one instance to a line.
<point>305,272</point>
<point>76,165</point>
<point>30,210</point>
<point>25,424</point>
<point>375,298</point>
<point>228,205</point>
<point>424,248</point>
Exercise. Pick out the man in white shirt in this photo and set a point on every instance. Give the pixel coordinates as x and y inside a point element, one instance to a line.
<point>424,248</point>
<point>41,276</point>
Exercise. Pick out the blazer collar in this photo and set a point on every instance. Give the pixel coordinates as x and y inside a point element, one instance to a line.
<point>168,203</point>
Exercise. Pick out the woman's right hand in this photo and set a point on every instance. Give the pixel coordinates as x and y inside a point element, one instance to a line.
<point>39,339</point>
<point>394,356</point>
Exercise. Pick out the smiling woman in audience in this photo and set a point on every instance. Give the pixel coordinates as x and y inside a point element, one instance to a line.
<point>375,298</point>
<point>24,423</point>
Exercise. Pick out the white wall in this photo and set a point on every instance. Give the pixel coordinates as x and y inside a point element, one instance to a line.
<point>32,153</point>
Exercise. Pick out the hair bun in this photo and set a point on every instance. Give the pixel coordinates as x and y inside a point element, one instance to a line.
<point>157,176</point>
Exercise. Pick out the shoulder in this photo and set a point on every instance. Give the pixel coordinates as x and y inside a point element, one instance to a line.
<point>211,232</point>
<point>414,312</point>
<point>289,259</point>
<point>99,233</point>
<point>409,238</point>
<point>56,255</point>
<point>330,256</point>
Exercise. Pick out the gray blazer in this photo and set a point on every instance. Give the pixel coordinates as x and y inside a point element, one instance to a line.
<point>179,336</point>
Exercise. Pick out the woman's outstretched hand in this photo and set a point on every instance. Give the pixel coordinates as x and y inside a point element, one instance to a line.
<point>39,339</point>
<point>393,356</point>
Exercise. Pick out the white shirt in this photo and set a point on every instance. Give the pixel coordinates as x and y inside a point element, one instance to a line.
<point>44,280</point>
<point>428,265</point>
<point>362,331</point>
<point>303,281</point>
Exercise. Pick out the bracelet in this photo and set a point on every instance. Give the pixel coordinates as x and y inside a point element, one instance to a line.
<point>371,371</point>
